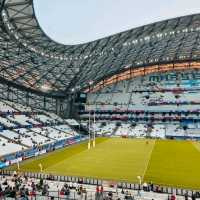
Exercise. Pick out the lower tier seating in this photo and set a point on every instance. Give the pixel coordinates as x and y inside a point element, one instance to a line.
<point>128,129</point>
<point>22,128</point>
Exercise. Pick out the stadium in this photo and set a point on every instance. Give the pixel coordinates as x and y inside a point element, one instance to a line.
<point>115,118</point>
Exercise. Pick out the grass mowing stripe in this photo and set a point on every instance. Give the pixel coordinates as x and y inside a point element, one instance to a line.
<point>148,161</point>
<point>174,163</point>
<point>196,145</point>
<point>56,157</point>
<point>51,158</point>
<point>99,141</point>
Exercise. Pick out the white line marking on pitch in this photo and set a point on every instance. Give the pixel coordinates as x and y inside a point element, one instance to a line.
<point>148,161</point>
<point>195,145</point>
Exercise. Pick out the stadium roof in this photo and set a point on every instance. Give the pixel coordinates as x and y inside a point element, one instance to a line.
<point>29,58</point>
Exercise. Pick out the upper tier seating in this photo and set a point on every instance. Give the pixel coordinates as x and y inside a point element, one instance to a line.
<point>154,92</point>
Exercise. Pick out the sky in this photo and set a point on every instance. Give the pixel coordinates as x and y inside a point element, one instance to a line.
<point>74,22</point>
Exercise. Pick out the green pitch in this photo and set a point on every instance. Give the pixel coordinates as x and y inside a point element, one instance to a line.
<point>172,163</point>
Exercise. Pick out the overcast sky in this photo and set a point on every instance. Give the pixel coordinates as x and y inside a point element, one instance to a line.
<point>80,21</point>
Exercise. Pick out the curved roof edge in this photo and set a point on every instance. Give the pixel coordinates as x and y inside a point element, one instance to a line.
<point>60,68</point>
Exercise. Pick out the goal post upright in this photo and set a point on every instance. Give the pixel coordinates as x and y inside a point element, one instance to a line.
<point>94,132</point>
<point>89,133</point>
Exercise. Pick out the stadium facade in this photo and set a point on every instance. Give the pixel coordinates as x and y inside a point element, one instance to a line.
<point>37,71</point>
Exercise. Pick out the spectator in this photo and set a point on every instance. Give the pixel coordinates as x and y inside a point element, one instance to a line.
<point>186,196</point>
<point>193,196</point>
<point>101,189</point>
<point>173,197</point>
<point>97,192</point>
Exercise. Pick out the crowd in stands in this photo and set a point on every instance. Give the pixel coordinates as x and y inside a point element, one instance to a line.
<point>19,186</point>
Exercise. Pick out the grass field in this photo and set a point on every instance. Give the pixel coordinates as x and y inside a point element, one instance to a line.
<point>170,163</point>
